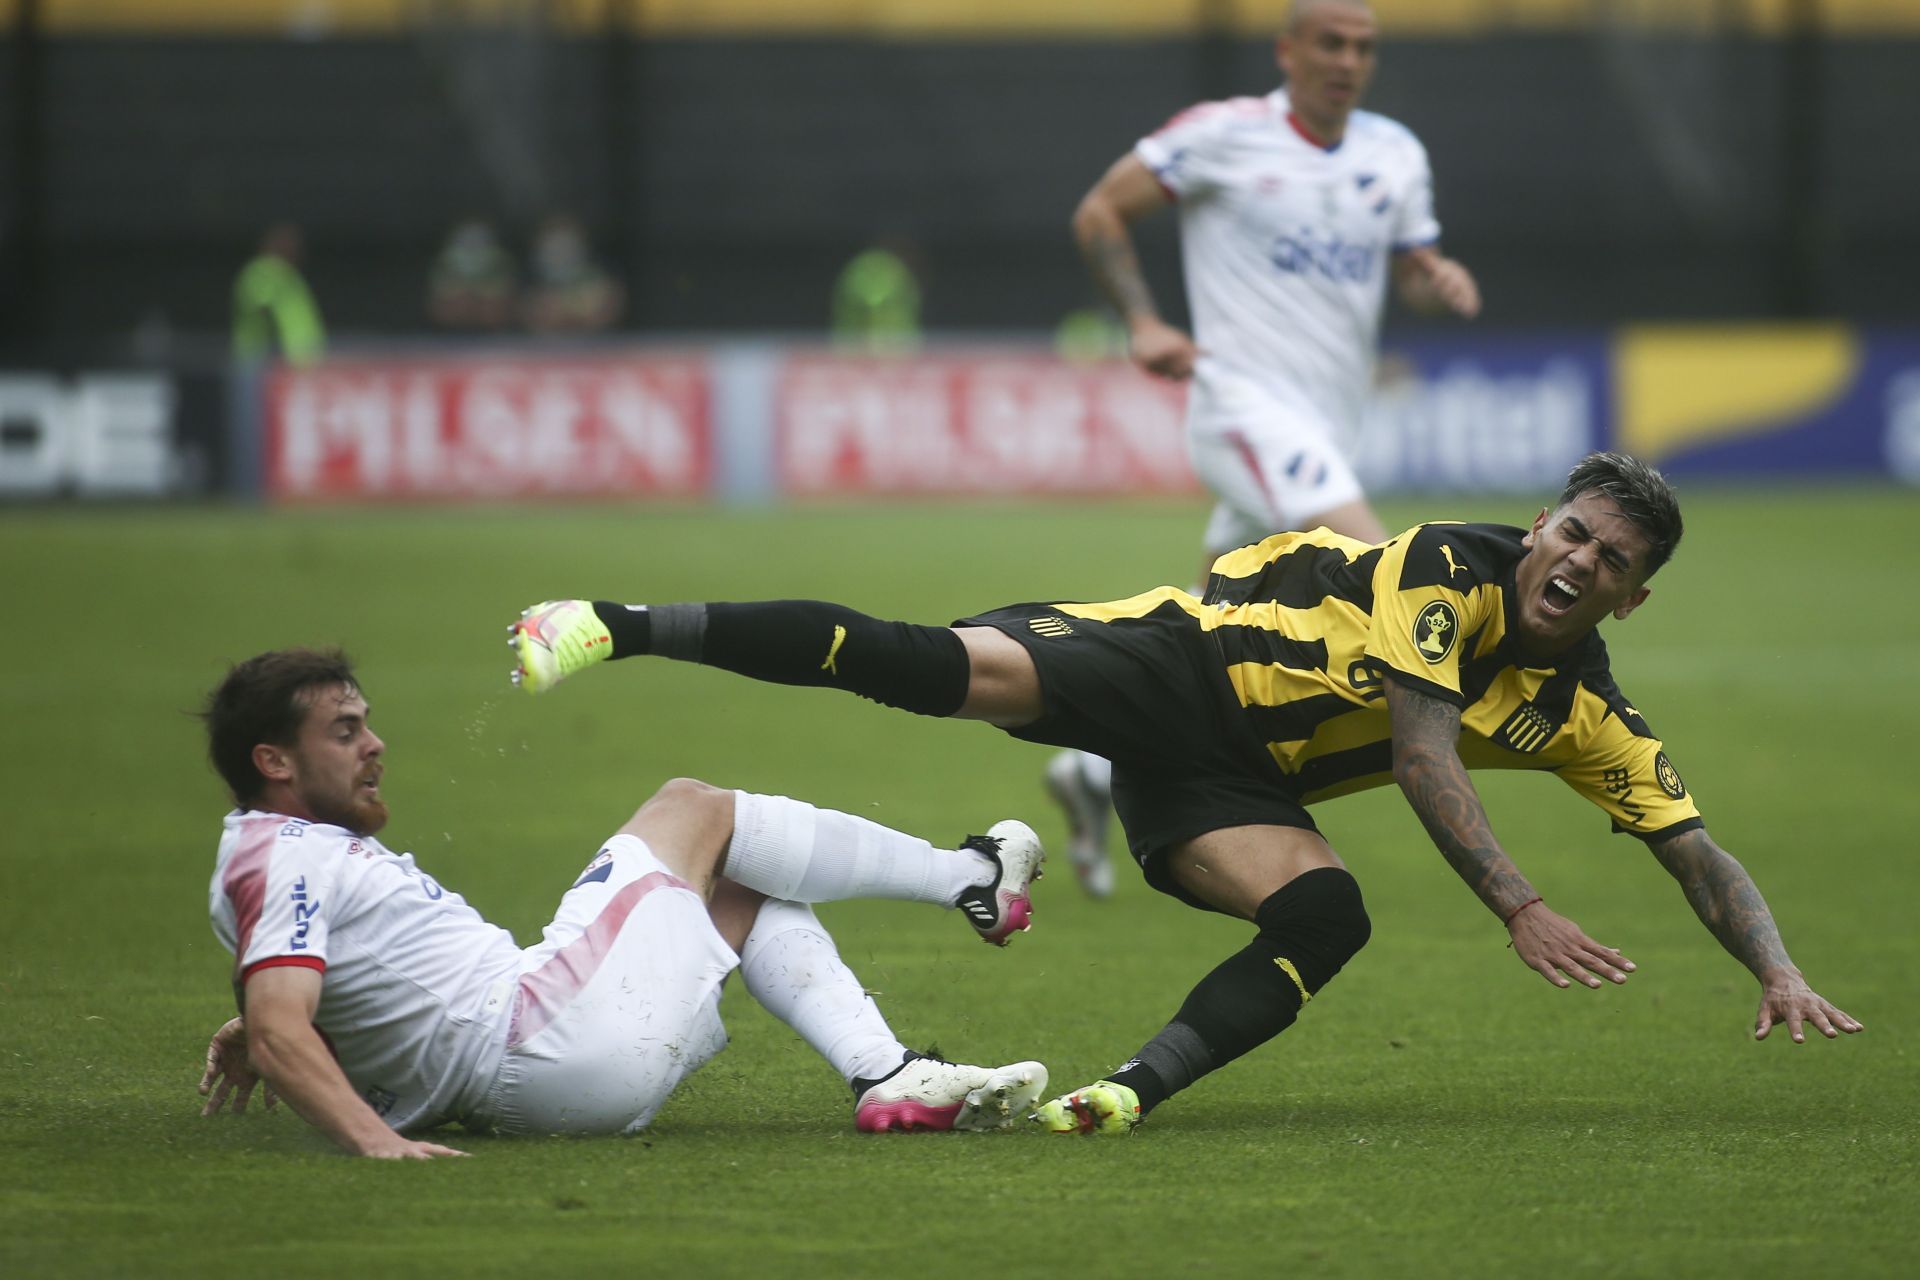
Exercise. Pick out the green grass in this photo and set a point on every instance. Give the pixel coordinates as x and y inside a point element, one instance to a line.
<point>1439,1111</point>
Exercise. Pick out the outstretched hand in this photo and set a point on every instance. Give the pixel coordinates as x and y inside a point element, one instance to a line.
<point>1558,950</point>
<point>1786,997</point>
<point>395,1146</point>
<point>229,1072</point>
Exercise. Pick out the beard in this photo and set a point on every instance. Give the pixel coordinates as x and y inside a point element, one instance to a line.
<point>357,811</point>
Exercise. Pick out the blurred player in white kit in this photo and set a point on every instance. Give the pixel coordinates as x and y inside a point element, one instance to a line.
<point>377,1003</point>
<point>1294,210</point>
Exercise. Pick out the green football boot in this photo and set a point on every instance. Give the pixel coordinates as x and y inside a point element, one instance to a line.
<point>555,639</point>
<point>1101,1107</point>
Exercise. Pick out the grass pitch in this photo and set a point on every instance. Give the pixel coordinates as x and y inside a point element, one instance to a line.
<point>1438,1111</point>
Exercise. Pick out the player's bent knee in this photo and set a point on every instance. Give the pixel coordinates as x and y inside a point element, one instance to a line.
<point>688,794</point>
<point>1319,920</point>
<point>686,824</point>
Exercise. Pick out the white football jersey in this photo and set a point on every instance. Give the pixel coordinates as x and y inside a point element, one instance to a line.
<point>417,987</point>
<point>1287,245</point>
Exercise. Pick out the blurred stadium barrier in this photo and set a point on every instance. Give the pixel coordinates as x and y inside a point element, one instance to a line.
<point>959,17</point>
<point>765,421</point>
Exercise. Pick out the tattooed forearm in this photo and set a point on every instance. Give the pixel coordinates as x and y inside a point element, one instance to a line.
<point>1109,256</point>
<point>1427,766</point>
<point>1725,898</point>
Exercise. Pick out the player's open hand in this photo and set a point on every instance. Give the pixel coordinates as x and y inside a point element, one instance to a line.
<point>1453,286</point>
<point>1561,952</point>
<point>229,1072</point>
<point>1162,350</point>
<point>1430,281</point>
<point>393,1146</point>
<point>1786,997</point>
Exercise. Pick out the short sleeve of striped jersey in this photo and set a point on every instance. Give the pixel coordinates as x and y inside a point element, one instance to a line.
<point>1429,599</point>
<point>1629,776</point>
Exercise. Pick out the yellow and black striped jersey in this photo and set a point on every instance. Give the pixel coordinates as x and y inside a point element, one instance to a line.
<point>1309,625</point>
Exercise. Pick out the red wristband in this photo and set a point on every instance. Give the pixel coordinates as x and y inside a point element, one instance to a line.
<point>1515,913</point>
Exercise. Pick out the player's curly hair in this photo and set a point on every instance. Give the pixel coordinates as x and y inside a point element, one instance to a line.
<point>264,699</point>
<point>1642,494</point>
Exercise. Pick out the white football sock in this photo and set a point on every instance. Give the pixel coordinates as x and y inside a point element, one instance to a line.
<point>1097,770</point>
<point>790,850</point>
<point>791,966</point>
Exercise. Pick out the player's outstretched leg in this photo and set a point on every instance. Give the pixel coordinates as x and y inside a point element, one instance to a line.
<point>809,643</point>
<point>791,850</point>
<point>1003,908</point>
<point>1081,784</point>
<point>926,1092</point>
<point>1101,1107</point>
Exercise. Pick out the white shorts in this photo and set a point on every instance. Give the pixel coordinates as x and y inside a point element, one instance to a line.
<point>615,1006</point>
<point>1272,466</point>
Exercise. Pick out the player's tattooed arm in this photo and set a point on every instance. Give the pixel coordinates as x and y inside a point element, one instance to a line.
<point>1126,192</point>
<point>1108,251</point>
<point>1727,901</point>
<point>1427,765</point>
<point>1725,898</point>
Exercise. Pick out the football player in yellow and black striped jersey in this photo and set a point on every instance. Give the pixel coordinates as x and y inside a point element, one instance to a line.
<point>1314,665</point>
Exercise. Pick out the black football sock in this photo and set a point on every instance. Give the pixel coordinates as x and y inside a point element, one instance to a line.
<point>1308,929</point>
<point>803,642</point>
<point>630,625</point>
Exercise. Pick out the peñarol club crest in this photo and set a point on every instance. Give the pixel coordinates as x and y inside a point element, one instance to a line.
<point>1435,630</point>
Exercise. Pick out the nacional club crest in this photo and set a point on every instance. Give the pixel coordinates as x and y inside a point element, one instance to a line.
<point>1435,630</point>
<point>600,869</point>
<point>1668,777</point>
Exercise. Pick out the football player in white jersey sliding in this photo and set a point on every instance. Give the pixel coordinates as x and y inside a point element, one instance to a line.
<point>377,1003</point>
<point>1294,210</point>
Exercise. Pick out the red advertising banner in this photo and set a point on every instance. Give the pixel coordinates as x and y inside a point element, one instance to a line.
<point>978,424</point>
<point>523,427</point>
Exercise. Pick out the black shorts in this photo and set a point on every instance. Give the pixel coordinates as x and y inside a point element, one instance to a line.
<point>1150,694</point>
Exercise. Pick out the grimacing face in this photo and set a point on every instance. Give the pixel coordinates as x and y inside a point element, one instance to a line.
<point>1328,58</point>
<point>1584,561</point>
<point>332,771</point>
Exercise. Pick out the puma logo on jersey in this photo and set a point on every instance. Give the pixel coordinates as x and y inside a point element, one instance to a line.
<point>839,638</point>
<point>1452,568</point>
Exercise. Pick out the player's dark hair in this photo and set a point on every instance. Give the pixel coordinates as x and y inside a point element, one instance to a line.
<point>264,699</point>
<point>1642,494</point>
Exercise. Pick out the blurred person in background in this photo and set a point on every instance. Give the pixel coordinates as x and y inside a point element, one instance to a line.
<point>567,290</point>
<point>273,309</point>
<point>876,302</point>
<point>1295,209</point>
<point>1088,335</point>
<point>473,281</point>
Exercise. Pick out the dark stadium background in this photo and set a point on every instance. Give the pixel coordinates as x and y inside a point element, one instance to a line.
<point>1690,160</point>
